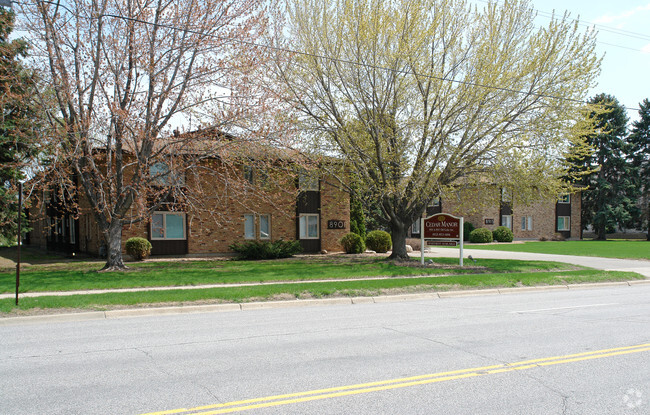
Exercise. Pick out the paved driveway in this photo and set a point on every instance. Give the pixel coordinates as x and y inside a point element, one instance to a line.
<point>609,264</point>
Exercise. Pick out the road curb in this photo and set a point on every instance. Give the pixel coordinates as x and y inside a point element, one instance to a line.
<point>229,307</point>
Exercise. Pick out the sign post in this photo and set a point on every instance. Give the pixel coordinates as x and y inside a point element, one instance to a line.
<point>441,229</point>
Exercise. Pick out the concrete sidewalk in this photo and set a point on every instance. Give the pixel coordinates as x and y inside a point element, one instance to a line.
<point>609,264</point>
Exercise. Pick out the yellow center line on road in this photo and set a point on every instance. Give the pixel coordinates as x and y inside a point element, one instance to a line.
<point>334,392</point>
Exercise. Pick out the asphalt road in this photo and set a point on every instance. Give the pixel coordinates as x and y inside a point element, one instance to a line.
<point>556,352</point>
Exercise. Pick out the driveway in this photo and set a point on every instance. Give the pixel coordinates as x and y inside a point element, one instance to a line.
<point>609,264</point>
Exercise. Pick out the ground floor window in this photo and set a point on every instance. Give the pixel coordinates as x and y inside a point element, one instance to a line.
<point>264,226</point>
<point>564,223</point>
<point>168,225</point>
<point>506,220</point>
<point>415,228</point>
<point>73,230</point>
<point>308,225</point>
<point>249,226</point>
<point>526,223</point>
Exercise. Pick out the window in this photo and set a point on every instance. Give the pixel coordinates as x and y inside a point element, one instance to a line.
<point>565,199</point>
<point>249,226</point>
<point>308,225</point>
<point>506,195</point>
<point>435,202</point>
<point>506,220</point>
<point>248,174</point>
<point>161,175</point>
<point>168,226</point>
<point>526,223</point>
<point>72,230</point>
<point>265,227</point>
<point>415,228</point>
<point>564,223</point>
<point>308,181</point>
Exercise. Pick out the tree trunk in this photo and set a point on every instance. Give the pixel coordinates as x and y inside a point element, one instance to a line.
<point>601,234</point>
<point>113,239</point>
<point>398,233</point>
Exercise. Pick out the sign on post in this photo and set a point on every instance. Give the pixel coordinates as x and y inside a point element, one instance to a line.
<point>441,229</point>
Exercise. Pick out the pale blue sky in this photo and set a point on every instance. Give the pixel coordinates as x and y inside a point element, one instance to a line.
<point>623,36</point>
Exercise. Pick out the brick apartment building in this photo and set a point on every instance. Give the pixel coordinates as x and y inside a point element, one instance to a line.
<point>312,210</point>
<point>543,219</point>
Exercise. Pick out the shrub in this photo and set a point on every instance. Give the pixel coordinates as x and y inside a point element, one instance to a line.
<point>558,237</point>
<point>138,248</point>
<point>379,241</point>
<point>255,250</point>
<point>503,234</point>
<point>353,244</point>
<point>468,227</point>
<point>480,236</point>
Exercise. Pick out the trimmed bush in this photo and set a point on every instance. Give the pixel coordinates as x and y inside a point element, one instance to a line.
<point>379,241</point>
<point>503,234</point>
<point>480,236</point>
<point>138,248</point>
<point>255,250</point>
<point>353,243</point>
<point>468,227</point>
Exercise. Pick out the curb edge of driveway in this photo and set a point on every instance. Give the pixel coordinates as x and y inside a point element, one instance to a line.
<point>229,307</point>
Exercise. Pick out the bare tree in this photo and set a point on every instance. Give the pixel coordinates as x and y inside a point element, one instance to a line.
<point>417,96</point>
<point>128,77</point>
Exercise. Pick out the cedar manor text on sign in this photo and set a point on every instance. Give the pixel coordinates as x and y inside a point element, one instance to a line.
<point>442,226</point>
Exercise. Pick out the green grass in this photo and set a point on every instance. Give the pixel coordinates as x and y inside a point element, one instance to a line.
<point>632,249</point>
<point>316,290</point>
<point>84,276</point>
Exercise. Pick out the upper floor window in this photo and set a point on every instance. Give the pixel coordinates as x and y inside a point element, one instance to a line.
<point>564,199</point>
<point>435,202</point>
<point>161,175</point>
<point>506,195</point>
<point>308,181</point>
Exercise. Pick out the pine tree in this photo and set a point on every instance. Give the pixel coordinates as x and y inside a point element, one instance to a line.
<point>610,200</point>
<point>640,141</point>
<point>16,121</point>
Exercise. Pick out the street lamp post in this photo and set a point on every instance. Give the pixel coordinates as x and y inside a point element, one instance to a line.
<point>20,239</point>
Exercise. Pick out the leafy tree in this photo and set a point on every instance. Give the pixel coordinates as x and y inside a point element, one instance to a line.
<point>640,141</point>
<point>357,217</point>
<point>17,122</point>
<point>417,96</point>
<point>125,75</point>
<point>610,200</point>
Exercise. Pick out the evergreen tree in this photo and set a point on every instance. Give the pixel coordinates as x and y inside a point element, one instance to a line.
<point>610,200</point>
<point>357,217</point>
<point>16,122</point>
<point>640,141</point>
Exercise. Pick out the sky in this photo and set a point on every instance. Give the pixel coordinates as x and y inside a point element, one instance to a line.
<point>623,37</point>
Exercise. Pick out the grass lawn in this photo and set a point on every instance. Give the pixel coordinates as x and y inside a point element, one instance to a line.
<point>625,249</point>
<point>315,290</point>
<point>84,276</point>
<point>52,274</point>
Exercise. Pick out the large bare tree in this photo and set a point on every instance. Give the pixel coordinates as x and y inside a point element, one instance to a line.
<point>418,96</point>
<point>128,77</point>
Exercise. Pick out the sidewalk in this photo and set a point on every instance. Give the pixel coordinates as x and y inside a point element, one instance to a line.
<point>608,264</point>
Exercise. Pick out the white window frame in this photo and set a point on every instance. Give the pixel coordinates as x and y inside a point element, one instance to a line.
<point>268,226</point>
<point>564,199</point>
<point>249,226</point>
<point>435,202</point>
<point>566,221</point>
<point>164,226</point>
<point>507,222</point>
<point>415,228</point>
<point>526,223</point>
<point>306,217</point>
<point>308,182</point>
